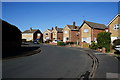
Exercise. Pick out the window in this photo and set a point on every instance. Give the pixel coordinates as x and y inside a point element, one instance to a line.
<point>117,26</point>
<point>84,39</point>
<point>24,37</point>
<point>47,38</point>
<point>85,30</point>
<point>29,33</point>
<point>46,33</point>
<point>38,34</point>
<point>29,38</point>
<point>67,38</point>
<point>66,32</point>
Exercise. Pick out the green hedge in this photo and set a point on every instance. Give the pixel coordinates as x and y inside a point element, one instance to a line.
<point>61,43</point>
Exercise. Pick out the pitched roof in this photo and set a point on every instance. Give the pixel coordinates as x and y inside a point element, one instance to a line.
<point>50,30</point>
<point>60,29</point>
<point>113,19</point>
<point>95,25</point>
<point>30,31</point>
<point>71,27</point>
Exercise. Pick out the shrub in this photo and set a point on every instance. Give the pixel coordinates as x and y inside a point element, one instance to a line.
<point>93,45</point>
<point>61,43</point>
<point>69,43</point>
<point>104,40</point>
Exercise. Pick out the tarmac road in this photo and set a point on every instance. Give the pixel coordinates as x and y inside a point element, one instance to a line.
<point>60,62</point>
<point>51,62</point>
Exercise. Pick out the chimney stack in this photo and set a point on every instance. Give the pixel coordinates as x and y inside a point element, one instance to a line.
<point>30,29</point>
<point>56,27</point>
<point>74,23</point>
<point>52,28</point>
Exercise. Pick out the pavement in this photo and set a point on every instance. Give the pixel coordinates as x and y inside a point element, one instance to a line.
<point>61,62</point>
<point>108,65</point>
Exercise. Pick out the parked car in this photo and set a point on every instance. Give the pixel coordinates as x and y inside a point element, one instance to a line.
<point>117,48</point>
<point>55,41</point>
<point>36,41</point>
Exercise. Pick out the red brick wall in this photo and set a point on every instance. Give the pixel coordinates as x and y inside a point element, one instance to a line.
<point>73,37</point>
<point>60,36</point>
<point>95,33</point>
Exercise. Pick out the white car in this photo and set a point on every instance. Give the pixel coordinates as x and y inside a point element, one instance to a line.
<point>117,47</point>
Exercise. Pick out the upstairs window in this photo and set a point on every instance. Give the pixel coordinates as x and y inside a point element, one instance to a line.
<point>116,26</point>
<point>66,32</point>
<point>86,30</point>
<point>38,34</point>
<point>67,38</point>
<point>46,33</point>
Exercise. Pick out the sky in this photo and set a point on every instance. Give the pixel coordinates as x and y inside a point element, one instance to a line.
<point>45,15</point>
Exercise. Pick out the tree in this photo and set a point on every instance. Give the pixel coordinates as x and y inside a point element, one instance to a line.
<point>104,40</point>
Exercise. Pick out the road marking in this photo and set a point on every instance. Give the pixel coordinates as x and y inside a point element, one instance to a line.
<point>113,75</point>
<point>99,53</point>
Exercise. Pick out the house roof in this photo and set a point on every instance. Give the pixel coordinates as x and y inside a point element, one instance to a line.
<point>71,27</point>
<point>113,19</point>
<point>30,31</point>
<point>60,29</point>
<point>95,25</point>
<point>50,30</point>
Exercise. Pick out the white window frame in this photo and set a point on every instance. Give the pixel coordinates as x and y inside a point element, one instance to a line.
<point>116,26</point>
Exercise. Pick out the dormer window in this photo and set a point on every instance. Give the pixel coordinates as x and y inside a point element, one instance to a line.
<point>116,26</point>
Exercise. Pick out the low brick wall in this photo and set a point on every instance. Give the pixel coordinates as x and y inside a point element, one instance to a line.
<point>84,45</point>
<point>51,43</point>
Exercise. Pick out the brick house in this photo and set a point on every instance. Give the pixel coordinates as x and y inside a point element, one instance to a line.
<point>71,33</point>
<point>114,27</point>
<point>47,35</point>
<point>89,31</point>
<point>57,33</point>
<point>32,34</point>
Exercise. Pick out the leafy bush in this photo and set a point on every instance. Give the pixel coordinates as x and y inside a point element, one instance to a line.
<point>93,45</point>
<point>69,43</point>
<point>61,43</point>
<point>104,40</point>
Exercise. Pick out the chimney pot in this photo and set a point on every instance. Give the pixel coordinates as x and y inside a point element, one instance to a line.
<point>74,23</point>
<point>52,28</point>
